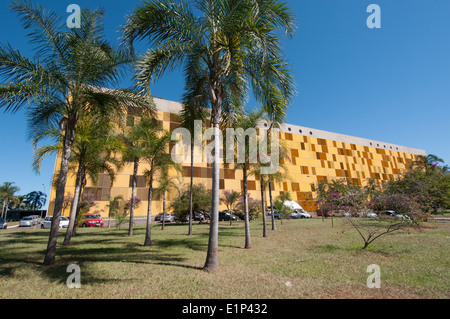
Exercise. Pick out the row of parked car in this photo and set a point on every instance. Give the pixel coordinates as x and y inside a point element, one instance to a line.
<point>88,220</point>
<point>368,214</point>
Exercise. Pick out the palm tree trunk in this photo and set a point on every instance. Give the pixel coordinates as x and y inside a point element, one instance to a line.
<point>248,240</point>
<point>191,189</point>
<point>75,226</point>
<point>3,209</point>
<point>271,206</point>
<point>164,211</point>
<point>76,196</point>
<point>212,257</point>
<point>133,194</point>
<point>148,234</point>
<point>50,254</point>
<point>263,203</point>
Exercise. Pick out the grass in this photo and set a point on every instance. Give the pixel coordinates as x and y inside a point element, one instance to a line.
<point>301,259</point>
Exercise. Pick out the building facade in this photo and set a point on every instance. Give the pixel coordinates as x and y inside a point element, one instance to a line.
<point>314,155</point>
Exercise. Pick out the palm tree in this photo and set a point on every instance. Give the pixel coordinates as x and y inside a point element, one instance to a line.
<point>113,206</point>
<point>7,195</point>
<point>232,49</point>
<point>63,81</point>
<point>428,162</point>
<point>35,200</point>
<point>263,185</point>
<point>92,152</point>
<point>230,199</point>
<point>166,184</point>
<point>246,121</point>
<point>282,198</point>
<point>154,147</point>
<point>135,148</point>
<point>194,109</point>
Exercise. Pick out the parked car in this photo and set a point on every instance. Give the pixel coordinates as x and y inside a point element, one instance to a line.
<point>27,221</point>
<point>326,214</point>
<point>91,220</point>
<point>3,224</point>
<point>47,222</point>
<point>169,218</point>
<point>302,213</point>
<point>37,218</point>
<point>226,216</point>
<point>393,214</point>
<point>370,214</point>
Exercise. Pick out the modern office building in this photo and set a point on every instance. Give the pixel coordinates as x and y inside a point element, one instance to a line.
<point>314,155</point>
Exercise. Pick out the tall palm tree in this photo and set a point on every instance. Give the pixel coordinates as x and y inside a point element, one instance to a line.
<point>231,50</point>
<point>246,121</point>
<point>62,81</point>
<point>7,195</point>
<point>35,200</point>
<point>194,109</point>
<point>154,142</point>
<point>166,184</point>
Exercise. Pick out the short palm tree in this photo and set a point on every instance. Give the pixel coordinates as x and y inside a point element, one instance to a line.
<point>135,141</point>
<point>92,152</point>
<point>167,183</point>
<point>230,199</point>
<point>113,206</point>
<point>154,144</point>
<point>231,49</point>
<point>64,80</point>
<point>428,162</point>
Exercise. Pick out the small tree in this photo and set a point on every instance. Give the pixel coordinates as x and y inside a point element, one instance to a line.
<point>231,200</point>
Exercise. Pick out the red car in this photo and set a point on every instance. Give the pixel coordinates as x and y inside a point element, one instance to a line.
<point>91,221</point>
<point>326,214</point>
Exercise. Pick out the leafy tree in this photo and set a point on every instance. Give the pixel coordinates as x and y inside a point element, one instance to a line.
<point>201,201</point>
<point>62,81</point>
<point>232,49</point>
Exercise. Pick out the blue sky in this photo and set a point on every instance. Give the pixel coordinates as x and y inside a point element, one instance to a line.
<point>390,84</point>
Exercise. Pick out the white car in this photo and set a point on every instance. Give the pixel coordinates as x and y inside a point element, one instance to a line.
<point>47,223</point>
<point>302,213</point>
<point>27,221</point>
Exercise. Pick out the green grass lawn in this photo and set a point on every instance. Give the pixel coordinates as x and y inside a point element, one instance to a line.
<point>301,259</point>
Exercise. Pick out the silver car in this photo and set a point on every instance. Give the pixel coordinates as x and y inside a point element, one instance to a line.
<point>27,221</point>
<point>47,223</point>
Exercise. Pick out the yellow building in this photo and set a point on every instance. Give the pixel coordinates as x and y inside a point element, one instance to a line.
<point>315,155</point>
